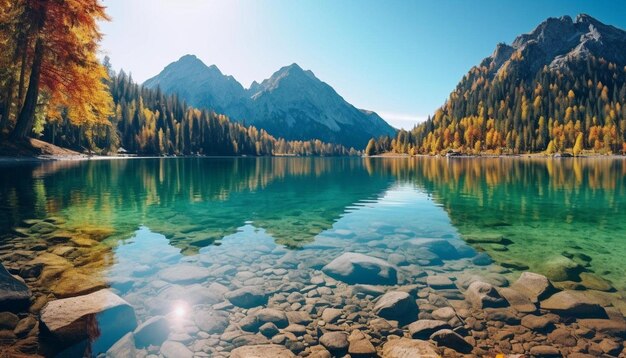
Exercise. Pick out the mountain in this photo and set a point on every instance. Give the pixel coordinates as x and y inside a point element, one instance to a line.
<point>560,87</point>
<point>557,42</point>
<point>292,103</point>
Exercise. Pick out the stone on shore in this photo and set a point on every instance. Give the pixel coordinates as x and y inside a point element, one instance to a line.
<point>247,297</point>
<point>353,268</point>
<point>14,294</point>
<point>398,306</point>
<point>70,320</point>
<point>534,286</point>
<point>262,351</point>
<point>539,323</point>
<point>483,295</point>
<point>567,303</point>
<point>408,348</point>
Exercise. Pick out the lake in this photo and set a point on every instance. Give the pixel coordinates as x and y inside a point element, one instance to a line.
<point>174,236</point>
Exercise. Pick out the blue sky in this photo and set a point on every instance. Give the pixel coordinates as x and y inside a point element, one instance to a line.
<point>398,58</point>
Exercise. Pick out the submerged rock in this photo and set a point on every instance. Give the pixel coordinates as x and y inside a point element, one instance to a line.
<point>534,286</point>
<point>398,306</point>
<point>153,331</point>
<point>247,297</point>
<point>424,328</point>
<point>440,247</point>
<point>123,348</point>
<point>71,320</point>
<point>408,348</point>
<point>570,304</point>
<point>14,294</point>
<point>449,338</point>
<point>356,268</point>
<point>360,345</point>
<point>185,274</point>
<point>483,295</point>
<point>560,268</point>
<point>336,342</point>
<point>262,351</point>
<point>171,349</point>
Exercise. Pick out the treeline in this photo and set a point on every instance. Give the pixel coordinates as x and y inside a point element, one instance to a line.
<point>148,122</point>
<point>577,109</point>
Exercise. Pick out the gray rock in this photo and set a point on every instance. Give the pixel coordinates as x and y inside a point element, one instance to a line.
<point>153,331</point>
<point>356,268</point>
<point>14,294</point>
<point>408,348</point>
<point>424,328</point>
<point>262,351</point>
<point>449,338</point>
<point>397,305</point>
<point>70,320</point>
<point>247,297</point>
<point>570,304</point>
<point>123,348</point>
<point>534,286</point>
<point>171,349</point>
<point>336,342</point>
<point>483,295</point>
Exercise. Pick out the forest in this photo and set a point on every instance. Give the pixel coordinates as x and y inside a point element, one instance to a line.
<point>53,86</point>
<point>576,110</point>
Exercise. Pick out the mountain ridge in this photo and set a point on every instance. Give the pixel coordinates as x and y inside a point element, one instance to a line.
<point>292,103</point>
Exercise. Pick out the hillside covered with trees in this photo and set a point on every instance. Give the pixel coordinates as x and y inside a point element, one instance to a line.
<point>539,94</point>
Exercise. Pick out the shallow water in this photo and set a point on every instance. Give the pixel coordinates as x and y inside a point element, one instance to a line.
<point>277,221</point>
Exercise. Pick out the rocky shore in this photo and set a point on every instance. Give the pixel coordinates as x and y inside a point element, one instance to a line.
<point>391,296</point>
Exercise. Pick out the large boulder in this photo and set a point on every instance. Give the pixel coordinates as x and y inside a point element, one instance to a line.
<point>247,297</point>
<point>570,304</point>
<point>14,294</point>
<point>408,348</point>
<point>262,351</point>
<point>560,268</point>
<point>534,286</point>
<point>398,306</point>
<point>101,317</point>
<point>356,268</point>
<point>483,295</point>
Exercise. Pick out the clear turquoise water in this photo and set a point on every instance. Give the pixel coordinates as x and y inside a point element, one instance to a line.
<point>257,214</point>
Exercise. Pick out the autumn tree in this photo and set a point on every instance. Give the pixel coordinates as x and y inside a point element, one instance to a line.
<point>58,63</point>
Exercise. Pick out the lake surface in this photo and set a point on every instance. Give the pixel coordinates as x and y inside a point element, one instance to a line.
<point>273,222</point>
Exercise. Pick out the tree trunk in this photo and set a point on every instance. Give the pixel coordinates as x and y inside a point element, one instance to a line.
<point>6,110</point>
<point>26,118</point>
